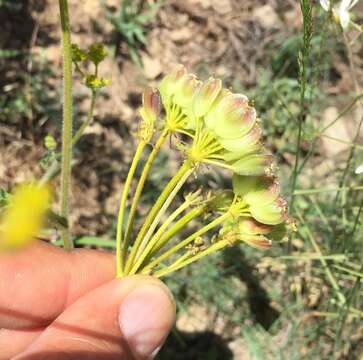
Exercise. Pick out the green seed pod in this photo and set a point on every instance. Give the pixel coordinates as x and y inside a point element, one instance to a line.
<point>185,89</point>
<point>256,189</point>
<point>257,241</point>
<point>271,214</point>
<point>205,97</point>
<point>252,164</point>
<point>232,118</point>
<point>167,86</point>
<point>149,113</point>
<point>250,226</point>
<point>150,105</point>
<point>247,143</point>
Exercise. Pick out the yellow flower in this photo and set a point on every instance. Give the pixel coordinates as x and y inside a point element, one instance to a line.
<point>24,216</point>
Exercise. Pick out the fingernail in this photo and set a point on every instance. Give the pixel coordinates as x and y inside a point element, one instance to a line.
<point>146,316</point>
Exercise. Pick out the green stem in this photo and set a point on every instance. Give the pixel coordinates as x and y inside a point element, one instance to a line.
<point>178,179</point>
<point>51,172</point>
<point>219,220</point>
<point>140,187</point>
<point>180,264</point>
<point>120,247</point>
<point>178,261</point>
<point>55,167</point>
<point>161,213</point>
<point>303,57</point>
<point>324,263</point>
<point>323,190</point>
<point>88,120</point>
<point>153,241</point>
<point>179,225</point>
<point>359,112</point>
<point>67,120</point>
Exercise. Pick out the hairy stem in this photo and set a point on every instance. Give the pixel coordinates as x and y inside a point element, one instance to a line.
<point>55,167</point>
<point>120,246</point>
<point>67,120</point>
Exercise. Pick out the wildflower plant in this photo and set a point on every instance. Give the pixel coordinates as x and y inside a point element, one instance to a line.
<point>212,128</point>
<point>341,13</point>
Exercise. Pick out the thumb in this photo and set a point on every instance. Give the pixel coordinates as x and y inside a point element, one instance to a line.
<point>146,316</point>
<point>126,319</point>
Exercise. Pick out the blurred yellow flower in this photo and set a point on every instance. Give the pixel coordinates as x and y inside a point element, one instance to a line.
<point>24,216</point>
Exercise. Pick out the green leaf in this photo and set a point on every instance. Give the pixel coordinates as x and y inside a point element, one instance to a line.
<point>96,241</point>
<point>4,198</point>
<point>50,143</point>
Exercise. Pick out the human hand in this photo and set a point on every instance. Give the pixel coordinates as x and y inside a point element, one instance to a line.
<point>67,305</point>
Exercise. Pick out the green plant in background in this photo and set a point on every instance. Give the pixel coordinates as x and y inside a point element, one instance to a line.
<point>25,95</point>
<point>11,5</point>
<point>129,22</point>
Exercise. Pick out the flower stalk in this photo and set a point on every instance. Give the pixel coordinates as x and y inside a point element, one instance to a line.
<point>140,186</point>
<point>88,120</point>
<point>67,121</point>
<point>178,226</point>
<point>120,245</point>
<point>186,241</point>
<point>142,255</point>
<point>180,264</point>
<point>152,219</point>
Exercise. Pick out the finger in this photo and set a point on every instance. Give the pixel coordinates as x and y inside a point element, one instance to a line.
<point>13,342</point>
<point>122,319</point>
<point>37,284</point>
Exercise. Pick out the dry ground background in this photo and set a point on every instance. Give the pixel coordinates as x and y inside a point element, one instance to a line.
<point>252,46</point>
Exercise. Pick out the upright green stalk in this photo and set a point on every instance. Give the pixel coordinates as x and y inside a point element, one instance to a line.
<point>120,245</point>
<point>184,262</point>
<point>303,57</point>
<point>140,187</point>
<point>67,120</point>
<point>149,242</point>
<point>219,220</point>
<point>179,225</point>
<point>178,179</point>
<point>88,120</point>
